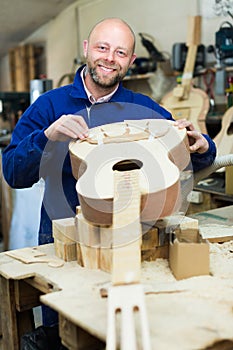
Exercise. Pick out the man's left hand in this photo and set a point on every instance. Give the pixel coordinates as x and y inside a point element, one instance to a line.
<point>197,142</point>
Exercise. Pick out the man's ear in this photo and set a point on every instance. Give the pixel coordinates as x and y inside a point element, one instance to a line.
<point>133,59</point>
<point>85,47</point>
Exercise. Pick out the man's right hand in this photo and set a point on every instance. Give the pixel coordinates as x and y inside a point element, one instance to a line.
<point>67,127</point>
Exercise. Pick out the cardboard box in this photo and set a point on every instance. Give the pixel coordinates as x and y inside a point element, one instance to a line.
<point>188,259</point>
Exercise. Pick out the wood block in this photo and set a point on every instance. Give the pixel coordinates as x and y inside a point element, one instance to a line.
<point>79,255</point>
<point>188,230</point>
<point>87,233</point>
<point>90,256</point>
<point>65,251</point>
<point>124,256</point>
<point>150,237</point>
<point>106,249</point>
<point>64,233</point>
<point>106,259</point>
<point>88,237</point>
<point>156,253</point>
<point>65,230</point>
<point>188,223</point>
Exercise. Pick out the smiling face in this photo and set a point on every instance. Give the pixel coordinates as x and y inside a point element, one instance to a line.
<point>109,53</point>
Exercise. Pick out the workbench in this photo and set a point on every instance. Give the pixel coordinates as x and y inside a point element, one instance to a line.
<point>189,314</point>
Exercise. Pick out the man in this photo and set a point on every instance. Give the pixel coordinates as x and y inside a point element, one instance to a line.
<point>39,145</point>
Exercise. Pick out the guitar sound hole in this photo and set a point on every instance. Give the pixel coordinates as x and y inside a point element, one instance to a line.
<point>128,164</point>
<point>230,129</point>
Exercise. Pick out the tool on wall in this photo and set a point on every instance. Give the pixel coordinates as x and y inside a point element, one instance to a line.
<point>223,49</point>
<point>179,54</point>
<point>223,52</point>
<point>144,65</point>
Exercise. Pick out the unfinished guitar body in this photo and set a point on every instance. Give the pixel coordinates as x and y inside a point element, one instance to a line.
<point>224,139</point>
<point>159,151</point>
<point>194,108</point>
<point>185,101</point>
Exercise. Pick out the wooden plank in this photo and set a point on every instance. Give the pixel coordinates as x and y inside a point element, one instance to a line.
<point>20,70</point>
<point>216,233</point>
<point>194,30</point>
<point>12,69</point>
<point>22,67</point>
<point>220,216</point>
<point>76,338</point>
<point>126,233</point>
<point>10,335</point>
<point>6,209</point>
<point>33,255</point>
<point>30,62</point>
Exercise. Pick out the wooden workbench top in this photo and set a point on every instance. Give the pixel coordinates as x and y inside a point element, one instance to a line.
<point>189,314</point>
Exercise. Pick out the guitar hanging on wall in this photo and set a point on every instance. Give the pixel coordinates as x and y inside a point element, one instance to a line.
<point>186,101</point>
<point>224,139</point>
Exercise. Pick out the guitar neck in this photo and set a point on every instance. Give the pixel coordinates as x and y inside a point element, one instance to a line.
<point>193,40</point>
<point>189,66</point>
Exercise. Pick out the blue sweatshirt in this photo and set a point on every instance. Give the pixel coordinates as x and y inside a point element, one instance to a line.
<point>30,155</point>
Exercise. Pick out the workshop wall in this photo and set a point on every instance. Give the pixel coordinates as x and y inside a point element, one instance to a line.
<point>166,21</point>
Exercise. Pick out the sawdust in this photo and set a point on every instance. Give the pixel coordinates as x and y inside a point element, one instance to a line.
<point>221,259</point>
<point>160,268</point>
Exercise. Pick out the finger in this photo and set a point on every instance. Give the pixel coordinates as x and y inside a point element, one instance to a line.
<point>80,120</point>
<point>194,134</point>
<point>77,126</point>
<point>194,147</point>
<point>183,123</point>
<point>83,128</point>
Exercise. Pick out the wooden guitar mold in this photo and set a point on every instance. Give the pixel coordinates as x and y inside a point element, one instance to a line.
<point>186,101</point>
<point>154,146</point>
<point>224,139</point>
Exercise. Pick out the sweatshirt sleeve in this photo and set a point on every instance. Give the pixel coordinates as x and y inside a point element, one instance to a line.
<point>203,160</point>
<point>22,157</point>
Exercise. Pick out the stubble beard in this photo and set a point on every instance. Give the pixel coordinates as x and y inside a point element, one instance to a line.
<point>102,82</point>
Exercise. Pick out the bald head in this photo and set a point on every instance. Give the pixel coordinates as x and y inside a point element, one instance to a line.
<point>109,52</point>
<point>114,25</point>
